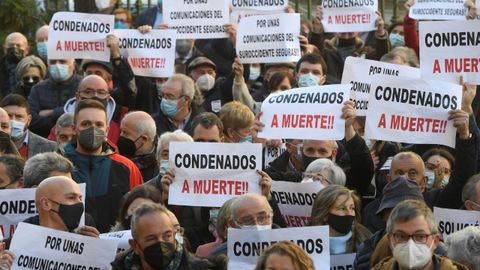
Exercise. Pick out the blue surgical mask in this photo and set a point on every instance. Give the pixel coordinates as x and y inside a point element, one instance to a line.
<point>431,177</point>
<point>169,107</point>
<point>214,216</point>
<point>445,180</point>
<point>338,245</point>
<point>246,139</point>
<point>307,80</point>
<point>164,165</point>
<point>59,72</point>
<point>254,73</point>
<point>18,129</point>
<point>120,25</point>
<point>397,40</point>
<point>42,50</point>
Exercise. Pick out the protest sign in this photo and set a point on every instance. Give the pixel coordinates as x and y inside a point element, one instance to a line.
<point>349,15</point>
<point>16,205</point>
<point>79,35</point>
<point>237,14</point>
<point>295,200</point>
<point>199,19</point>
<point>448,50</point>
<point>438,10</point>
<point>453,220</point>
<point>358,72</point>
<point>412,110</point>
<point>342,261</point>
<point>59,250</point>
<point>312,113</point>
<point>246,245</point>
<point>267,5</point>
<point>208,174</point>
<point>270,153</point>
<point>121,237</point>
<point>269,38</point>
<point>151,54</point>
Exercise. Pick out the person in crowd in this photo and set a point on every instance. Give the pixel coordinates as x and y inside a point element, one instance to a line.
<point>237,121</point>
<point>218,226</point>
<point>339,208</point>
<point>207,127</point>
<point>464,247</point>
<point>6,144</point>
<point>27,142</point>
<point>15,48</point>
<point>45,165</point>
<point>108,175</point>
<point>394,192</point>
<point>138,142</point>
<point>41,38</point>
<point>311,70</point>
<point>396,34</point>
<point>64,131</point>
<point>185,53</point>
<point>47,98</point>
<point>177,105</point>
<point>471,194</point>
<point>152,16</point>
<point>154,245</point>
<point>270,69</point>
<point>138,196</point>
<point>11,171</point>
<point>284,255</point>
<point>123,18</point>
<point>30,71</point>
<point>438,167</point>
<point>413,235</point>
<point>325,171</point>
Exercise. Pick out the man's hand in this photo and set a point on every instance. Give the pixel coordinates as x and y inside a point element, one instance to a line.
<point>469,91</point>
<point>6,259</point>
<point>238,70</point>
<point>114,44</point>
<point>144,29</point>
<point>231,29</point>
<point>348,114</point>
<point>166,181</point>
<point>472,10</point>
<point>460,122</point>
<point>89,231</point>
<point>265,184</point>
<point>162,26</point>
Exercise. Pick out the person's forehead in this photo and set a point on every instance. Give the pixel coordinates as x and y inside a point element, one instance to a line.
<point>438,159</point>
<point>14,109</point>
<point>15,39</point>
<point>93,83</point>
<point>412,226</point>
<point>343,200</point>
<point>317,144</point>
<point>172,87</point>
<point>406,163</point>
<point>91,114</point>
<point>203,67</point>
<point>95,67</point>
<point>252,207</point>
<point>154,223</point>
<point>306,64</point>
<point>121,15</point>
<point>201,130</point>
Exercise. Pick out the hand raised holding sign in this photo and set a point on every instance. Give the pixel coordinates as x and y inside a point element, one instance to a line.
<point>238,69</point>
<point>6,259</point>
<point>469,92</point>
<point>265,184</point>
<point>472,10</point>
<point>348,114</point>
<point>162,26</point>
<point>166,181</point>
<point>231,30</point>
<point>144,29</point>
<point>114,44</point>
<point>460,122</point>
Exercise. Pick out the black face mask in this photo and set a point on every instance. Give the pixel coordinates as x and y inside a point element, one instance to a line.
<point>27,87</point>
<point>14,55</point>
<point>126,146</point>
<point>341,224</point>
<point>342,42</point>
<point>159,255</point>
<point>307,160</point>
<point>103,101</point>
<point>70,214</point>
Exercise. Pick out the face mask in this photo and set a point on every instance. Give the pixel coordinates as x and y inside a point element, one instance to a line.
<point>183,46</point>
<point>14,55</point>
<point>126,147</point>
<point>341,224</point>
<point>18,129</point>
<point>70,214</point>
<point>169,107</point>
<point>159,254</point>
<point>120,25</point>
<point>307,160</point>
<point>205,82</point>
<point>257,227</point>
<point>411,255</point>
<point>102,4</point>
<point>342,42</point>
<point>164,166</point>
<point>59,72</point>
<point>431,177</point>
<point>254,73</point>
<point>445,180</point>
<point>214,216</point>
<point>91,138</point>
<point>246,139</point>
<point>396,40</point>
<point>179,238</point>
<point>307,80</point>
<point>42,50</point>
<point>27,87</point>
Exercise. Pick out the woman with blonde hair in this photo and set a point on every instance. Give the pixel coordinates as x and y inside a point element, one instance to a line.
<point>284,256</point>
<point>339,208</point>
<point>237,121</point>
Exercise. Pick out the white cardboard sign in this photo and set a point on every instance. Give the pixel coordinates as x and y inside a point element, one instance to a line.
<point>453,220</point>
<point>349,16</point>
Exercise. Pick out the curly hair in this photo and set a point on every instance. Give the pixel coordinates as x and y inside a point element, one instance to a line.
<point>300,259</point>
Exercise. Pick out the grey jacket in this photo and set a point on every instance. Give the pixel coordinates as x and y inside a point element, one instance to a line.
<point>37,144</point>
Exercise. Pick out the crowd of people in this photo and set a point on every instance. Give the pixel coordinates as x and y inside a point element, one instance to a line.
<point>65,122</point>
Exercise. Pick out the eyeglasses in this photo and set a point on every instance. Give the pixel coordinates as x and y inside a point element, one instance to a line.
<point>89,93</point>
<point>261,219</point>
<point>318,177</point>
<point>419,238</point>
<point>31,79</point>
<point>170,96</point>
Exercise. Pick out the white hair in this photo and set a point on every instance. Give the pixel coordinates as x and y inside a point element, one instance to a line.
<point>240,201</point>
<point>188,86</point>
<point>464,246</point>
<point>335,174</point>
<point>167,137</point>
<point>145,126</point>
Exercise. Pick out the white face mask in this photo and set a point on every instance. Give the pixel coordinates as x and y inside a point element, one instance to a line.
<point>179,238</point>
<point>205,82</point>
<point>411,255</point>
<point>257,227</point>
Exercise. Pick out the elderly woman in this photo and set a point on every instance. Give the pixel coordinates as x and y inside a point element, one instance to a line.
<point>30,71</point>
<point>325,171</point>
<point>339,208</point>
<point>464,247</point>
<point>237,121</point>
<point>284,256</point>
